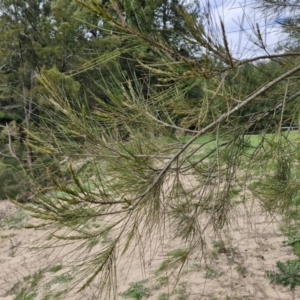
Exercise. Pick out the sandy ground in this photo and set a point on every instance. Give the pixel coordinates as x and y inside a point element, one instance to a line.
<point>235,270</point>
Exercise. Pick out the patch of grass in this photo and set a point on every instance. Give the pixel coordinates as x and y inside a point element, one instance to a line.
<point>136,290</point>
<point>211,272</point>
<point>288,273</point>
<point>7,236</point>
<point>214,254</point>
<point>17,220</point>
<point>235,193</point>
<point>58,294</point>
<point>296,249</point>
<point>55,268</point>
<point>241,270</point>
<point>36,278</point>
<point>218,245</point>
<point>195,266</point>
<point>163,296</point>
<point>25,295</point>
<point>200,140</point>
<point>162,280</point>
<point>29,286</point>
<point>181,292</point>
<point>64,278</point>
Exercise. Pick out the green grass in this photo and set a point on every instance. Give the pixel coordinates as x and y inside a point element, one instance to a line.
<point>250,144</point>
<point>241,270</point>
<point>200,140</point>
<point>27,289</point>
<point>288,273</point>
<point>25,295</point>
<point>36,278</point>
<point>256,139</point>
<point>211,272</point>
<point>195,266</point>
<point>181,292</point>
<point>7,236</point>
<point>55,268</point>
<point>136,291</point>
<point>61,279</point>
<point>163,296</point>
<point>162,280</point>
<point>17,220</point>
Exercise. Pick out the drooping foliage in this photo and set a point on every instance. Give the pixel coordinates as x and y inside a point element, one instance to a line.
<point>157,132</point>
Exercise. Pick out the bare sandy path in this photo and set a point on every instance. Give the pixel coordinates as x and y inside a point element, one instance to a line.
<point>235,269</point>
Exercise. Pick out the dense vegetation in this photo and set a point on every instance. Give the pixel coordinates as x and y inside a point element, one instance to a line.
<point>108,108</point>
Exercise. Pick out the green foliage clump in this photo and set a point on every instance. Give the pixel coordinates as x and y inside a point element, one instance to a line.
<point>181,292</point>
<point>287,275</point>
<point>163,296</point>
<point>211,272</point>
<point>58,279</point>
<point>16,220</point>
<point>163,280</point>
<point>29,288</point>
<point>136,291</point>
<point>23,295</point>
<point>55,268</point>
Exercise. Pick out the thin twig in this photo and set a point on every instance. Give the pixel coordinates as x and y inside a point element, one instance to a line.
<point>170,125</point>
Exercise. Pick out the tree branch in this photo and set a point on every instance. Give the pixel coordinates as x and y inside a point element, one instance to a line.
<point>212,125</point>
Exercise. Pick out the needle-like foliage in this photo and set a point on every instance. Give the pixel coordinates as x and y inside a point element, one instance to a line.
<point>163,152</point>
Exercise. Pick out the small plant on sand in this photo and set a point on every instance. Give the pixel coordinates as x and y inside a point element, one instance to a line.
<point>288,274</point>
<point>211,272</point>
<point>16,220</point>
<point>241,270</point>
<point>29,286</point>
<point>23,295</point>
<point>181,292</point>
<point>55,268</point>
<point>162,280</point>
<point>219,246</point>
<point>195,266</point>
<point>58,280</point>
<point>163,296</point>
<point>136,290</point>
<point>7,236</point>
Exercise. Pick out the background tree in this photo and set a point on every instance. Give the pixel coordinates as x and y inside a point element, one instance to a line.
<point>36,37</point>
